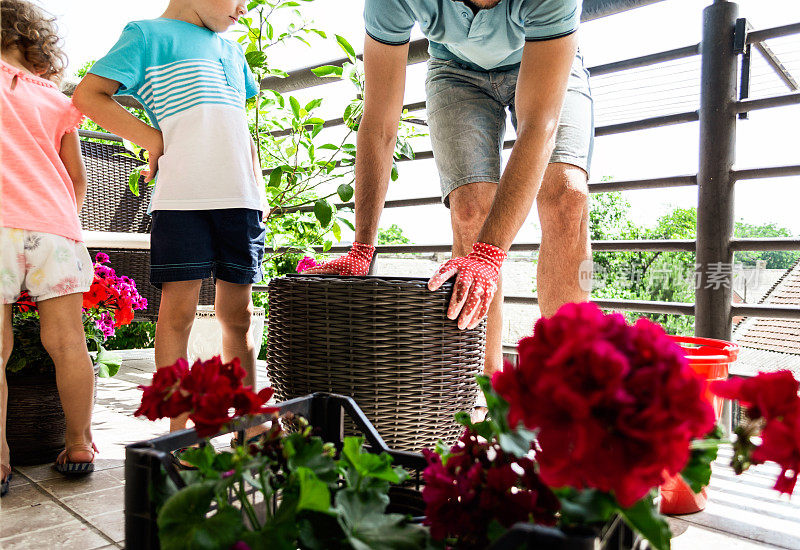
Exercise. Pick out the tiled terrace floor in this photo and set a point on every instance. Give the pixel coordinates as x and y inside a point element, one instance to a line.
<point>44,510</point>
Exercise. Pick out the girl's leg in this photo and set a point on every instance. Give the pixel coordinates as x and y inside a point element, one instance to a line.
<point>234,309</point>
<point>175,318</point>
<point>6,343</point>
<point>63,338</point>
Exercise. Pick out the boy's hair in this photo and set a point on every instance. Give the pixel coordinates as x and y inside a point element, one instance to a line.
<point>34,31</point>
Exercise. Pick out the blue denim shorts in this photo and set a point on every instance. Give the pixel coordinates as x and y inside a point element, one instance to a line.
<point>186,245</point>
<point>467,121</point>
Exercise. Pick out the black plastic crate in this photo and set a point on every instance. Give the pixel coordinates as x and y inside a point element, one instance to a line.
<point>148,465</point>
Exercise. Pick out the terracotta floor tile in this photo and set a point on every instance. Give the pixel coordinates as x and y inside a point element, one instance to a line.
<point>98,502</point>
<point>70,536</point>
<point>22,495</point>
<point>63,487</point>
<point>33,518</point>
<point>112,525</point>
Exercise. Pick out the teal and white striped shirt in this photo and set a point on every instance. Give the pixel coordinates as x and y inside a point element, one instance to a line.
<point>193,85</point>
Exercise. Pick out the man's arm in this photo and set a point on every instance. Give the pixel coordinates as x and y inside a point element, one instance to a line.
<point>541,86</point>
<point>385,80</point>
<point>70,154</point>
<point>93,97</point>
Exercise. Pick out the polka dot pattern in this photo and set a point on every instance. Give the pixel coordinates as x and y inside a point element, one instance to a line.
<point>355,262</point>
<point>478,273</point>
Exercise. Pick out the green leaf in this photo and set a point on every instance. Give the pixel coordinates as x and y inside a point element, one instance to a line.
<point>345,45</point>
<point>313,104</point>
<point>295,106</point>
<point>327,70</point>
<point>585,506</point>
<point>348,223</point>
<point>362,517</point>
<point>326,246</point>
<point>275,177</point>
<point>697,472</point>
<point>345,192</point>
<point>182,521</point>
<point>329,146</point>
<point>109,363</point>
<point>133,181</point>
<point>323,212</point>
<point>314,493</point>
<point>644,518</point>
<point>395,174</point>
<point>378,466</point>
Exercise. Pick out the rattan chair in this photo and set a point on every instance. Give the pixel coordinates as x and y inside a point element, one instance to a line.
<point>115,221</point>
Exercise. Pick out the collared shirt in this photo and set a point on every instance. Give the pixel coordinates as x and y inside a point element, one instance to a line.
<point>193,85</point>
<point>491,39</point>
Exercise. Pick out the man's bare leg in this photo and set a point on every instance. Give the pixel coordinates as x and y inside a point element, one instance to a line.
<point>175,319</point>
<point>469,206</point>
<point>564,214</point>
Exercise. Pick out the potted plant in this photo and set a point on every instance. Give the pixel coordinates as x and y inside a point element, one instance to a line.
<point>291,489</point>
<point>35,422</point>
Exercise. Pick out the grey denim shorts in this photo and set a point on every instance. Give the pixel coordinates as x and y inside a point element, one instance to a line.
<point>467,121</point>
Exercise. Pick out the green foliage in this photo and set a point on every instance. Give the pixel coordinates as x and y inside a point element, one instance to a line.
<point>697,472</point>
<point>324,502</point>
<point>392,235</point>
<point>137,335</point>
<point>774,259</point>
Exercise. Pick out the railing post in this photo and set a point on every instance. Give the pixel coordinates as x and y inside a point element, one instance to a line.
<point>715,183</point>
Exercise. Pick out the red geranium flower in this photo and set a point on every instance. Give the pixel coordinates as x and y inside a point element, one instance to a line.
<point>772,400</point>
<point>615,406</point>
<point>477,484</point>
<point>209,391</point>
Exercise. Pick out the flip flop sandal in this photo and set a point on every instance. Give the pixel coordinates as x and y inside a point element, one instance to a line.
<point>67,467</point>
<point>4,485</point>
<point>177,462</point>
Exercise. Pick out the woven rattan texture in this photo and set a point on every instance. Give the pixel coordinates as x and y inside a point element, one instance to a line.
<point>385,342</point>
<point>110,205</point>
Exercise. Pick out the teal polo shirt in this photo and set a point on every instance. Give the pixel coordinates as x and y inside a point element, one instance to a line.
<point>491,39</point>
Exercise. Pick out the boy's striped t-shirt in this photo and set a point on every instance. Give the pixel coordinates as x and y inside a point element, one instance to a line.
<point>193,85</point>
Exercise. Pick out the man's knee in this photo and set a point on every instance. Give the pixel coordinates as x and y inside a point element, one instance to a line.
<point>235,320</point>
<point>469,206</point>
<point>564,196</point>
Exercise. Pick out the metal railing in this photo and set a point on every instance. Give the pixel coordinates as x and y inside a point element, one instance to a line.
<point>725,39</point>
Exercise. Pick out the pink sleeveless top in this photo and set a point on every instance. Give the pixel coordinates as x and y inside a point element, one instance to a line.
<point>36,192</point>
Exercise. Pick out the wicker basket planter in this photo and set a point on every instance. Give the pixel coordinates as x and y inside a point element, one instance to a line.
<point>386,342</point>
<point>35,424</point>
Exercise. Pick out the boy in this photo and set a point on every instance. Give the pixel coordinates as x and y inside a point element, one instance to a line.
<point>207,203</point>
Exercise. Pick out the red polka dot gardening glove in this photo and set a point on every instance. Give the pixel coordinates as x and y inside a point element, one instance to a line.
<point>355,262</point>
<point>478,273</point>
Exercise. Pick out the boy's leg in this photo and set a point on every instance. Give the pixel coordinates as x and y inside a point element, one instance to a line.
<point>7,342</point>
<point>175,318</point>
<point>234,309</point>
<point>64,339</point>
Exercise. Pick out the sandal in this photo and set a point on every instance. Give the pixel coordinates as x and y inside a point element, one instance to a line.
<point>67,467</point>
<point>4,484</point>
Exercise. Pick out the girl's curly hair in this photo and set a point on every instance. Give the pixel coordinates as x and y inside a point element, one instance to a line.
<point>28,27</point>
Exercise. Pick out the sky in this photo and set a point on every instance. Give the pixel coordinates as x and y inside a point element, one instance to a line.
<point>768,138</point>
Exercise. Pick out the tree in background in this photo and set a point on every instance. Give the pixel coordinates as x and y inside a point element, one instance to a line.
<point>774,259</point>
<point>662,276</point>
<point>392,235</point>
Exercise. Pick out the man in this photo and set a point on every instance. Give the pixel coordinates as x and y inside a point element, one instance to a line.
<point>486,56</point>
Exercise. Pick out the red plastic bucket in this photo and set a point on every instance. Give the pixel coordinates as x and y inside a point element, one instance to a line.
<point>710,359</point>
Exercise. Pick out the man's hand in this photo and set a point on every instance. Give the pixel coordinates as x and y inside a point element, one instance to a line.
<point>355,262</point>
<point>478,273</point>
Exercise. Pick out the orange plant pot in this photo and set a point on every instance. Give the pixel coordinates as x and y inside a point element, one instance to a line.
<point>711,360</point>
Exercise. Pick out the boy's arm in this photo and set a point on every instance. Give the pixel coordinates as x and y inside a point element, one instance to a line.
<point>93,97</point>
<point>70,154</point>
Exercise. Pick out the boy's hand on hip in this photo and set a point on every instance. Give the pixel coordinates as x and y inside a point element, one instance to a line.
<point>478,273</point>
<point>154,152</point>
<point>355,262</point>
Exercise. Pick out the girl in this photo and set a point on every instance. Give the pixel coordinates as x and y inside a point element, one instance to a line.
<point>42,187</point>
